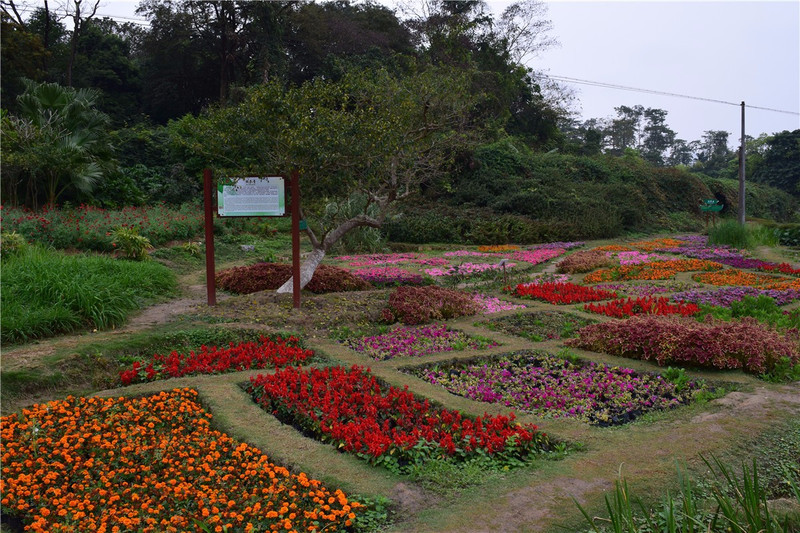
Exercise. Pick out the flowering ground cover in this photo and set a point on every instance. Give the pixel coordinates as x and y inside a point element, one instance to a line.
<point>498,248</point>
<point>90,228</point>
<point>150,464</point>
<point>377,259</point>
<point>417,341</point>
<point>637,258</point>
<point>612,248</point>
<point>418,305</point>
<point>466,253</point>
<point>645,305</point>
<point>783,268</point>
<point>666,340</point>
<point>490,304</point>
<point>656,244</point>
<point>649,289</point>
<point>725,296</point>
<point>551,386</point>
<point>737,277</point>
<point>558,244</point>
<point>466,269</point>
<point>537,256</point>
<point>267,353</point>
<point>389,276</point>
<point>657,270</point>
<point>385,425</point>
<point>560,293</point>
<point>538,325</point>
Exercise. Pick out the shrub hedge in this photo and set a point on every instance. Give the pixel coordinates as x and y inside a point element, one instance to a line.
<point>270,276</point>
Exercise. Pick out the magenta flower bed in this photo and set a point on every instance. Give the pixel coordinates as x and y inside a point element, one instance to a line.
<point>725,296</point>
<point>550,386</point>
<point>418,341</point>
<point>666,340</point>
<point>537,256</point>
<point>465,269</point>
<point>389,276</point>
<point>377,259</point>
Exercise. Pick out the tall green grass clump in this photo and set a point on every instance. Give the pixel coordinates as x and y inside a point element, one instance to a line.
<point>734,234</point>
<point>729,502</point>
<point>46,293</point>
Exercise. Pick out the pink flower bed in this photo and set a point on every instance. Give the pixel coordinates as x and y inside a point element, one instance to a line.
<point>537,256</point>
<point>388,276</point>
<point>465,269</point>
<point>466,253</point>
<point>489,304</point>
<point>377,259</point>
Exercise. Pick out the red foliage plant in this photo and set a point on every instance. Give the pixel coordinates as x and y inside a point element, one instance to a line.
<point>584,261</point>
<point>353,410</point>
<point>647,305</point>
<point>419,305</point>
<point>744,343</point>
<point>267,352</point>
<point>560,292</point>
<point>270,276</point>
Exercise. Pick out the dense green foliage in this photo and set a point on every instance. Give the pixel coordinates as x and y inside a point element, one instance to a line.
<point>46,293</point>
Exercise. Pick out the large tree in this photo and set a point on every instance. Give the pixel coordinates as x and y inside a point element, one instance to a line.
<point>370,133</point>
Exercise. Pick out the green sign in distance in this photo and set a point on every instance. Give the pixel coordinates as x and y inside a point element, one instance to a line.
<point>711,208</point>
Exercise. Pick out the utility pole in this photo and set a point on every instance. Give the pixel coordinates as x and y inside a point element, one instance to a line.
<point>742,160</point>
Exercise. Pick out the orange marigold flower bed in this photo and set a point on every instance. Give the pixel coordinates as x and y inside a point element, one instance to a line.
<point>613,248</point>
<point>150,464</point>
<point>733,276</point>
<point>498,248</point>
<point>655,244</point>
<point>651,271</point>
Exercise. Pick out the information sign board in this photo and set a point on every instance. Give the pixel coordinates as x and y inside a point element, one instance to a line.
<point>251,197</point>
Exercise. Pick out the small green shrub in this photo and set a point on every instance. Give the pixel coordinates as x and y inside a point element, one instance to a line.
<point>11,243</point>
<point>133,245</point>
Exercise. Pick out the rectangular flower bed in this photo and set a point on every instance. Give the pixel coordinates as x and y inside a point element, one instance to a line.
<point>418,341</point>
<point>267,353</point>
<point>725,296</point>
<point>389,276</point>
<point>385,425</point>
<point>667,340</point>
<point>150,464</point>
<point>551,386</point>
<point>560,292</point>
<point>538,325</point>
<point>651,271</point>
<point>646,305</point>
<point>490,304</point>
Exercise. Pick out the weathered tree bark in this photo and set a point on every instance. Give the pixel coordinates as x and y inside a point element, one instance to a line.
<point>320,249</point>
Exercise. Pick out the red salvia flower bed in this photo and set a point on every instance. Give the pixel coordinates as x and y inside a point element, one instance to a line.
<point>560,293</point>
<point>783,268</point>
<point>647,305</point>
<point>267,352</point>
<point>353,410</point>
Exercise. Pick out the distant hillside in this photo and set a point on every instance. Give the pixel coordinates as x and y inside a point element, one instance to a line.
<point>507,193</point>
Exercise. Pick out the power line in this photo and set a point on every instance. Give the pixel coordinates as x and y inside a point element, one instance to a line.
<point>140,21</point>
<point>652,91</point>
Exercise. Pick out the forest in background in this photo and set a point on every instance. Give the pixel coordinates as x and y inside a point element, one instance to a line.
<point>376,108</point>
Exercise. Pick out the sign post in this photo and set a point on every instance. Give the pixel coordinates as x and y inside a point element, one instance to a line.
<point>211,283</point>
<point>296,239</point>
<point>252,196</point>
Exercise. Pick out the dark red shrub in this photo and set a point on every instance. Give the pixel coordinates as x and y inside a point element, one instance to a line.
<point>584,261</point>
<point>419,305</point>
<point>270,276</point>
<point>667,340</point>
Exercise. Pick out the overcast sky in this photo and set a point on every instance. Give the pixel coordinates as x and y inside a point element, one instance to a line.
<point>721,50</point>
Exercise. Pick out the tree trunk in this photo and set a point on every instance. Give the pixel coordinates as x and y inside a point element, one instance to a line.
<point>307,269</point>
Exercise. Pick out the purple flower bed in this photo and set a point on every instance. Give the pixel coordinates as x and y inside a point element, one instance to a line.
<point>389,276</point>
<point>725,296</point>
<point>743,262</point>
<point>550,386</point>
<point>417,341</point>
<point>564,245</point>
